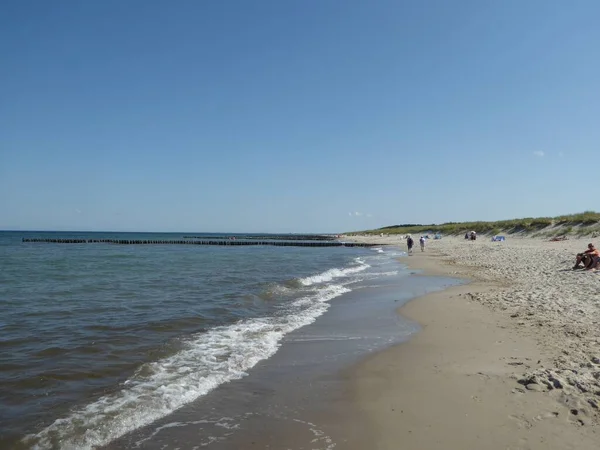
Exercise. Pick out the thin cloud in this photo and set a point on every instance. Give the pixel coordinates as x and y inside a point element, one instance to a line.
<point>538,153</point>
<point>357,214</point>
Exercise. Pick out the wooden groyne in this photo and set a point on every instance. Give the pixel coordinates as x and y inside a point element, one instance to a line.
<point>273,237</point>
<point>225,242</point>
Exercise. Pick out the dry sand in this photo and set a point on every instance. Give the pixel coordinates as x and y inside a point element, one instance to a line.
<point>510,361</point>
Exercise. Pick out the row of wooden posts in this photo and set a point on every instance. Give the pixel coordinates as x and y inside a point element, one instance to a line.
<point>275,237</point>
<point>227,242</point>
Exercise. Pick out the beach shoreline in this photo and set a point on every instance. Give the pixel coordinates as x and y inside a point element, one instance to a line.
<point>495,349</point>
<point>473,376</point>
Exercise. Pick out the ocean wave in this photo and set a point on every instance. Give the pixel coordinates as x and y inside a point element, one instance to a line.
<point>206,361</point>
<point>330,274</point>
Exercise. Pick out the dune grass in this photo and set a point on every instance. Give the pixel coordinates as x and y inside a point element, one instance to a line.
<point>585,221</point>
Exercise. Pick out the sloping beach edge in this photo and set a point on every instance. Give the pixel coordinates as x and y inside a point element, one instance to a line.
<point>454,385</point>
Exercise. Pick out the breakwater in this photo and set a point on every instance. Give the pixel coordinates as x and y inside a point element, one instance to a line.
<point>272,237</point>
<point>225,242</point>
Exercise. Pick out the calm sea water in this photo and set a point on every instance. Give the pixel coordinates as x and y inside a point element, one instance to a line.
<point>97,340</point>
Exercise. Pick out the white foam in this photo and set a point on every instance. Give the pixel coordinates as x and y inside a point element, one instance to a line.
<point>228,423</point>
<point>320,437</point>
<point>207,360</point>
<point>330,274</point>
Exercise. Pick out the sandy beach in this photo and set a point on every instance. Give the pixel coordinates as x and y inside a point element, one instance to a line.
<point>508,361</point>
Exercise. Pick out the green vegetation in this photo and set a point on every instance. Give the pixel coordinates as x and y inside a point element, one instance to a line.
<point>589,229</point>
<point>584,218</point>
<point>529,225</point>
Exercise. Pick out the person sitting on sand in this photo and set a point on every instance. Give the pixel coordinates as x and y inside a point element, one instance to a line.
<point>594,262</point>
<point>587,257</point>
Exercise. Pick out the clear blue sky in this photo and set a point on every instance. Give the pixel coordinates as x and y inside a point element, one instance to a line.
<point>295,116</point>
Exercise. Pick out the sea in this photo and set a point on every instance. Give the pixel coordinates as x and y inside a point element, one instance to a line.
<point>101,345</point>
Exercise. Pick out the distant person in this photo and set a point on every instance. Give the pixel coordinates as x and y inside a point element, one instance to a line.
<point>410,243</point>
<point>422,242</point>
<point>467,236</point>
<point>587,258</point>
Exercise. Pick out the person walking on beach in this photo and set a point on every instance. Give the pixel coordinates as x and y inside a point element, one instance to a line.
<point>422,242</point>
<point>410,243</point>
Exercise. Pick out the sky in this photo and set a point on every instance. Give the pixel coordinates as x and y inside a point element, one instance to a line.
<point>295,116</point>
